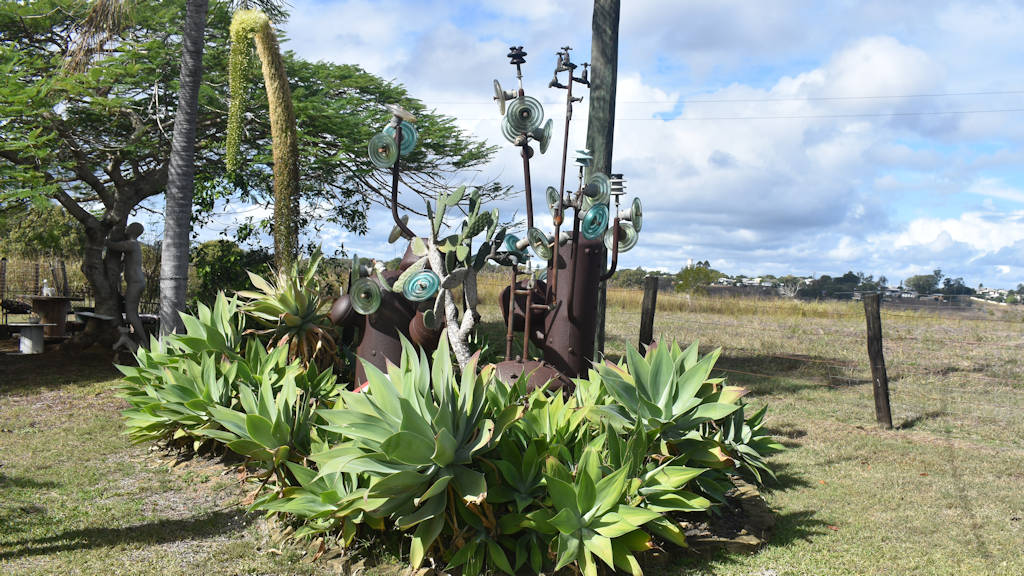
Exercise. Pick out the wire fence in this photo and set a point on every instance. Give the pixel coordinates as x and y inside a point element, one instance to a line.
<point>957,371</point>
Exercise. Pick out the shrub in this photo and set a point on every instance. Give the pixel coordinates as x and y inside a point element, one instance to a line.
<point>221,265</point>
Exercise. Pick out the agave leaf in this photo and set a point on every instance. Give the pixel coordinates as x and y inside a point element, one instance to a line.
<point>625,561</point>
<point>674,477</point>
<point>563,495</point>
<point>399,484</point>
<point>423,538</point>
<point>261,283</point>
<point>470,485</point>
<point>230,419</point>
<point>601,546</point>
<point>568,550</point>
<point>430,508</point>
<point>462,556</point>
<point>678,501</point>
<point>250,448</point>
<point>261,430</point>
<point>566,522</point>
<point>498,558</point>
<point>444,448</point>
<point>408,448</point>
<point>435,489</point>
<point>669,531</point>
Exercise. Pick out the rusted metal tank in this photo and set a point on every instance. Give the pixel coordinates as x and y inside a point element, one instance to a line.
<point>571,325</point>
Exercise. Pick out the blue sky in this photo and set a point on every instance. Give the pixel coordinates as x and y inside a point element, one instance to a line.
<point>766,137</point>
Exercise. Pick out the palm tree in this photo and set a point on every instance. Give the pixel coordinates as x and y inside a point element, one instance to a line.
<point>174,250</point>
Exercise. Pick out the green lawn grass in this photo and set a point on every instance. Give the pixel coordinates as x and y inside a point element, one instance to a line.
<point>941,494</point>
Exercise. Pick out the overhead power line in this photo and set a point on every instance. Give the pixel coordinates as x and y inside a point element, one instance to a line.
<point>685,100</point>
<point>833,98</point>
<point>802,116</point>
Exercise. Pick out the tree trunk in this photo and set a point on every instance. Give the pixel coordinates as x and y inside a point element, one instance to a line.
<point>181,173</point>
<point>104,276</point>
<point>286,148</point>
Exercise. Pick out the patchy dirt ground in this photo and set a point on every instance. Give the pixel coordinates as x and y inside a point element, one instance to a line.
<point>79,499</point>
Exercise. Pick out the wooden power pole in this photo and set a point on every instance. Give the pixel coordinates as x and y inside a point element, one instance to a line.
<point>604,60</point>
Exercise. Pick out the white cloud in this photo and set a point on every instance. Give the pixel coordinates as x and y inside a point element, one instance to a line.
<point>834,185</point>
<point>995,188</point>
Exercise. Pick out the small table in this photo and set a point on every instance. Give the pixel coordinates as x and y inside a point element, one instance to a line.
<point>53,311</point>
<point>32,341</point>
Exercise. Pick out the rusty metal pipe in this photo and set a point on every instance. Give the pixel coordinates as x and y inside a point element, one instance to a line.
<point>406,233</point>
<point>559,214</point>
<point>527,152</point>
<point>527,313</point>
<point>615,251</point>
<point>511,313</point>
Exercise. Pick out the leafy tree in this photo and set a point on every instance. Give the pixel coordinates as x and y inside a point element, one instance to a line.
<point>629,278</point>
<point>107,19</point>
<point>39,231</point>
<point>97,142</point>
<point>840,288</point>
<point>221,265</point>
<point>696,279</point>
<point>924,283</point>
<point>956,287</point>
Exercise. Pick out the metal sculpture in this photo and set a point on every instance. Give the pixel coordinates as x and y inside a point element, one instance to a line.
<point>372,306</point>
<point>554,307</point>
<point>417,300</point>
<point>551,305</point>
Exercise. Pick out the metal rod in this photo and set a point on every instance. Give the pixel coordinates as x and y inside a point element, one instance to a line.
<point>511,313</point>
<point>615,250</point>
<point>527,312</point>
<point>527,152</point>
<point>406,233</point>
<point>559,208</point>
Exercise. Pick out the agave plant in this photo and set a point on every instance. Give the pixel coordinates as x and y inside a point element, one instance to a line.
<point>334,502</point>
<point>746,442</point>
<point>272,428</point>
<point>668,392</point>
<point>417,432</point>
<point>181,375</point>
<point>290,309</point>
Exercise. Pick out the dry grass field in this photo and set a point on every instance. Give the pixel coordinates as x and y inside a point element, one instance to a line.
<point>940,494</point>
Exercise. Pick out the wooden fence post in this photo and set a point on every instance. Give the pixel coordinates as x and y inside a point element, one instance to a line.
<point>35,279</point>
<point>880,381</point>
<point>647,308</point>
